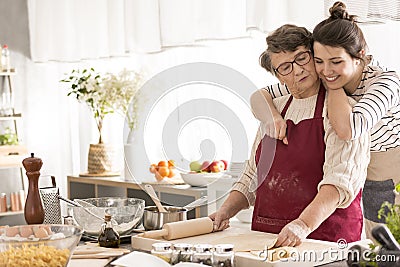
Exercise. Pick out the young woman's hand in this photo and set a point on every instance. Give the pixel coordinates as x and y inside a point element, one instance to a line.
<point>275,128</point>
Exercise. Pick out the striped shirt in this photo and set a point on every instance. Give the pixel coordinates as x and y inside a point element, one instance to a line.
<point>377,110</point>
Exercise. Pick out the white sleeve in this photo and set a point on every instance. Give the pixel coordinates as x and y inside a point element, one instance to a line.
<point>247,183</point>
<point>346,163</point>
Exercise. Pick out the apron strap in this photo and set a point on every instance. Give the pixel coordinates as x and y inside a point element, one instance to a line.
<point>318,107</point>
<point>283,113</point>
<point>320,102</point>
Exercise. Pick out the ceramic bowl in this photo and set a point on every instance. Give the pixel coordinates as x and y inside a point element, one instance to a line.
<point>202,178</point>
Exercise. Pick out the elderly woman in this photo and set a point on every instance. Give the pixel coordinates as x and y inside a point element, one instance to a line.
<point>311,185</point>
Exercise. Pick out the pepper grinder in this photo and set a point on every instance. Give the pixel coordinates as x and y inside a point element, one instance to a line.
<point>34,212</point>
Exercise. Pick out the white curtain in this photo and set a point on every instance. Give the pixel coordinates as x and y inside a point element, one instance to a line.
<point>370,10</point>
<point>71,30</point>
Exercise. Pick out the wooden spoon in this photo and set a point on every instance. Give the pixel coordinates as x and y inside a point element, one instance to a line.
<point>150,190</point>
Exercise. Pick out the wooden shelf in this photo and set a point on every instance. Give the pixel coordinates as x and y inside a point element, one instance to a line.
<point>8,73</point>
<point>11,117</point>
<point>11,156</point>
<point>11,213</point>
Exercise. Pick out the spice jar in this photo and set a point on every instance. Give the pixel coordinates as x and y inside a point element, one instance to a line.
<point>182,253</point>
<point>108,237</point>
<point>162,250</point>
<point>202,254</point>
<point>223,255</point>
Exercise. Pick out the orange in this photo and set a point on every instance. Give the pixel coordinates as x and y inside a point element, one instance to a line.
<point>162,164</point>
<point>153,168</point>
<point>163,171</point>
<point>158,176</point>
<point>171,173</point>
<point>171,163</point>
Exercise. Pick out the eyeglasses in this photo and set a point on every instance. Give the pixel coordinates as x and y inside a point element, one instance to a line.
<point>287,67</point>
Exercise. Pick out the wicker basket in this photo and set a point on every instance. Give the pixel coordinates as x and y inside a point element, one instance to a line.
<point>100,158</point>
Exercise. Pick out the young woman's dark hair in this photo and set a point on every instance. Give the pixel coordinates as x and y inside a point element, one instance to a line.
<point>341,30</point>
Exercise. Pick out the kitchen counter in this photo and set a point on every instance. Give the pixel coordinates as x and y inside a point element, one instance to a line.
<point>248,244</point>
<point>235,224</point>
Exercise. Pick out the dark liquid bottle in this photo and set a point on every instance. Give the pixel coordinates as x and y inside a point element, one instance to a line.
<point>108,237</point>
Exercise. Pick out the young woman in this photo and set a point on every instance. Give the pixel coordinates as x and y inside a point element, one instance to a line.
<point>310,187</point>
<point>341,63</point>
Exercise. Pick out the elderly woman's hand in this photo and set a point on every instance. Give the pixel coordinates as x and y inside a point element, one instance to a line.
<point>220,219</point>
<point>293,234</point>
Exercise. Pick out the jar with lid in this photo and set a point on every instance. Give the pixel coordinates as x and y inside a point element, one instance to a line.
<point>108,237</point>
<point>202,254</point>
<point>163,251</point>
<point>223,255</point>
<point>182,253</point>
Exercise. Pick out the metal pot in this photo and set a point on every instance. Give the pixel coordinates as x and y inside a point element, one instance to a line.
<point>154,220</point>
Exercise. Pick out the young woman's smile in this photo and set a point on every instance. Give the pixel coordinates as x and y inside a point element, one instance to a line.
<point>336,67</point>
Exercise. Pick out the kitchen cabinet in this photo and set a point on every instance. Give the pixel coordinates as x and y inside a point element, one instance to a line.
<point>11,155</point>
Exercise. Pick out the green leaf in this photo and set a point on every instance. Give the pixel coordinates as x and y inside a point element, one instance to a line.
<point>397,188</point>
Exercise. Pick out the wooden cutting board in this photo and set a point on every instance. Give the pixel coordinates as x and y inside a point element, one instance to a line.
<point>97,252</point>
<point>247,244</point>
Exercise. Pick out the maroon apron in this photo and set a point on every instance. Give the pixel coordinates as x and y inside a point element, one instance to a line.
<point>288,181</point>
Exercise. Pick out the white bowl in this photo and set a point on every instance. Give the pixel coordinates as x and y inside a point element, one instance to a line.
<point>201,178</point>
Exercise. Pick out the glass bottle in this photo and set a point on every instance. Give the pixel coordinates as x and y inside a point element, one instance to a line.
<point>182,253</point>
<point>108,237</point>
<point>5,58</point>
<point>202,254</point>
<point>223,255</point>
<point>162,250</point>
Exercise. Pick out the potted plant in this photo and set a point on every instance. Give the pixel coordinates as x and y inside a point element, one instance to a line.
<point>104,94</point>
<point>391,213</point>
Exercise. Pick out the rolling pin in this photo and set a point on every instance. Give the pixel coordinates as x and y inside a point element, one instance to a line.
<point>182,229</point>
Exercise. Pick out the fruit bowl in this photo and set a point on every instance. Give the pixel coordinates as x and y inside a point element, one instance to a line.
<point>48,245</point>
<point>201,178</point>
<point>126,213</point>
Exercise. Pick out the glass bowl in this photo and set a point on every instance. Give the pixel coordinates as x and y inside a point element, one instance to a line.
<point>48,245</point>
<point>126,213</point>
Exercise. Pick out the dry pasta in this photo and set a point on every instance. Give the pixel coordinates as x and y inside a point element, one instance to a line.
<point>34,256</point>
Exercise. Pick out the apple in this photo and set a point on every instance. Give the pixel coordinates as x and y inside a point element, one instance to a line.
<point>217,166</point>
<point>225,164</point>
<point>195,166</point>
<point>205,167</point>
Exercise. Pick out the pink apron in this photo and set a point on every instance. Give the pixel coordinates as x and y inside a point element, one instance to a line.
<point>287,188</point>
